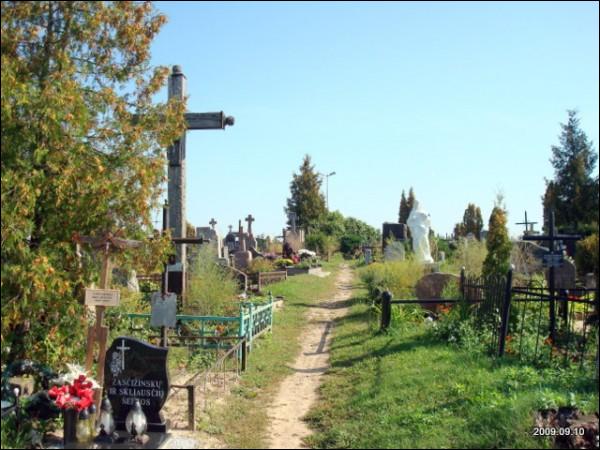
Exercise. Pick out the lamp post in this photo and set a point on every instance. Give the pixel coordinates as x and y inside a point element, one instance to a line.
<point>327,188</point>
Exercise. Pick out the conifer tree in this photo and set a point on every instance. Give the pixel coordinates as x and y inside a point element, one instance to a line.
<point>573,193</point>
<point>498,243</point>
<point>402,213</point>
<point>306,200</point>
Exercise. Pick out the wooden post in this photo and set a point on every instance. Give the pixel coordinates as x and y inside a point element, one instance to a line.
<point>505,313</point>
<point>386,310</point>
<point>191,407</point>
<point>244,355</point>
<point>462,282</point>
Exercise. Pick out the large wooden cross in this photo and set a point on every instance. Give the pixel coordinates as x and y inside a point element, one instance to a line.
<point>98,333</point>
<point>552,260</point>
<point>176,156</point>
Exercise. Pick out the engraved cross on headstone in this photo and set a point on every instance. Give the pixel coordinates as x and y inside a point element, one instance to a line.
<point>123,349</point>
<point>176,156</point>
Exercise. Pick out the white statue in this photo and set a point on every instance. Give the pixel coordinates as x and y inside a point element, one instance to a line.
<point>419,224</point>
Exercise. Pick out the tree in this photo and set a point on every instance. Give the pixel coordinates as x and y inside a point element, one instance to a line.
<point>498,243</point>
<point>306,200</point>
<point>403,211</point>
<point>573,193</point>
<point>74,158</point>
<point>472,222</point>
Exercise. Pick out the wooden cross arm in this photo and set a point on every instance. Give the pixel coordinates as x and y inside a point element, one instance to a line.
<point>208,121</point>
<point>203,121</point>
<point>190,240</point>
<point>558,237</point>
<point>110,238</point>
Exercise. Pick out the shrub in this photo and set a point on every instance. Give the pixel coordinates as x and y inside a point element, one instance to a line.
<point>282,263</point>
<point>316,242</point>
<point>586,255</point>
<point>350,244</point>
<point>212,288</point>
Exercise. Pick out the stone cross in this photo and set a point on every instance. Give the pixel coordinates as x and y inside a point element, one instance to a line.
<point>230,228</point>
<point>176,157</point>
<point>250,219</point>
<point>212,223</point>
<point>241,237</point>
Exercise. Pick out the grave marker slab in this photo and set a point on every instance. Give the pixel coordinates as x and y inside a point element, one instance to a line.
<point>136,370</point>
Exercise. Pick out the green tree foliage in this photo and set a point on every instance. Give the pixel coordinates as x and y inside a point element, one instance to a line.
<point>74,160</point>
<point>306,200</point>
<point>586,256</point>
<point>573,193</point>
<point>472,223</point>
<point>498,243</point>
<point>403,211</point>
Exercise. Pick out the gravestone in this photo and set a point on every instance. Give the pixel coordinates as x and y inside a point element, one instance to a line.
<point>564,275</point>
<point>164,310</point>
<point>396,230</point>
<point>394,251</point>
<point>136,370</point>
<point>431,286</point>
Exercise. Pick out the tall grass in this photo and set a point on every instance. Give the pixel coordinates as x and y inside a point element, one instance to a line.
<point>212,289</point>
<point>399,277</point>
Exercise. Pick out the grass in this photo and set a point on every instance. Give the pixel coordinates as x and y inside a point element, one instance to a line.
<point>241,422</point>
<point>405,389</point>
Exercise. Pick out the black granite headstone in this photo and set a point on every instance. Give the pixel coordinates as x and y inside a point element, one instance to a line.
<point>397,231</point>
<point>136,370</point>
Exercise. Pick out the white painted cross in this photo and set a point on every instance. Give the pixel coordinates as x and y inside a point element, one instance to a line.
<point>123,349</point>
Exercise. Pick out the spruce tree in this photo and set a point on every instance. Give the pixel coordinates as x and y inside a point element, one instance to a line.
<point>573,193</point>
<point>306,200</point>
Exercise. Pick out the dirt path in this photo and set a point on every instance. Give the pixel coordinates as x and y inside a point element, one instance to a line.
<point>299,390</point>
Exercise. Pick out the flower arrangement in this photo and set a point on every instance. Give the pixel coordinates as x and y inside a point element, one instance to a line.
<point>78,395</point>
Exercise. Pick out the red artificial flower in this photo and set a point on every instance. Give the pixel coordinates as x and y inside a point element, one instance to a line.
<point>80,395</point>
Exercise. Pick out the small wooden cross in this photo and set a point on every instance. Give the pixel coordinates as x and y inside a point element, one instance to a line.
<point>98,333</point>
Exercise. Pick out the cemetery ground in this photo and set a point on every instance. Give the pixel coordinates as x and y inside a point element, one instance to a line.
<point>244,419</point>
<point>406,388</point>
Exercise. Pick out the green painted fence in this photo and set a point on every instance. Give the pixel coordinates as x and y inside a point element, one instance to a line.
<point>253,320</point>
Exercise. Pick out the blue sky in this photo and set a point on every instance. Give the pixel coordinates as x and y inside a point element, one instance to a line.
<point>457,100</point>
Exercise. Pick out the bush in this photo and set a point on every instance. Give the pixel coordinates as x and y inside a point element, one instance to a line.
<point>586,255</point>
<point>282,263</point>
<point>350,244</point>
<point>316,242</point>
<point>212,288</point>
<point>399,277</point>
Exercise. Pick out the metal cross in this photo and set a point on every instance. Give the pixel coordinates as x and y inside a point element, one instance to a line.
<point>526,223</point>
<point>552,238</point>
<point>212,223</point>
